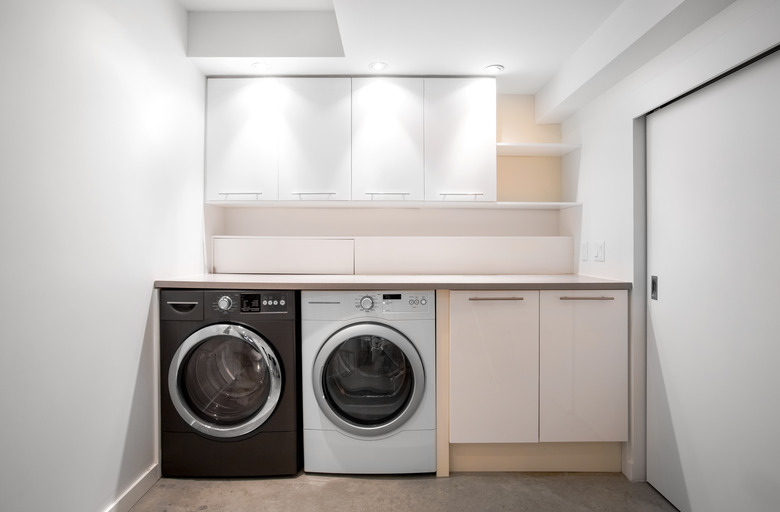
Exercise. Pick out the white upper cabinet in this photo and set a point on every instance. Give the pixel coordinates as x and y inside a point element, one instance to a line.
<point>460,139</point>
<point>387,139</point>
<point>321,139</point>
<point>242,139</point>
<point>314,139</point>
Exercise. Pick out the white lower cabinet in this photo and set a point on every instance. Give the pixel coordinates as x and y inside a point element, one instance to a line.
<point>494,366</point>
<point>583,365</point>
<point>538,366</point>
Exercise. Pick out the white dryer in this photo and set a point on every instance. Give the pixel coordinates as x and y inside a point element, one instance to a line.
<point>369,381</point>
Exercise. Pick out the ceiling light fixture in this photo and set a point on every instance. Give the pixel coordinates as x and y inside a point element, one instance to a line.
<point>494,68</point>
<point>377,66</point>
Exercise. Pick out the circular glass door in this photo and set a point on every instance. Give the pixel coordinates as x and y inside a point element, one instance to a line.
<point>225,380</point>
<point>368,379</point>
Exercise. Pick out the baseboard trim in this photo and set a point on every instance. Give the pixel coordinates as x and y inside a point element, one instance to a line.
<point>136,491</point>
<point>586,457</point>
<point>631,471</point>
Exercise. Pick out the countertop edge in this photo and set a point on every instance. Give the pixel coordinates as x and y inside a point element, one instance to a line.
<point>392,282</point>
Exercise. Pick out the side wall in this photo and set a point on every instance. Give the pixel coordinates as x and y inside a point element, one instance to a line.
<point>101,144</point>
<point>602,174</point>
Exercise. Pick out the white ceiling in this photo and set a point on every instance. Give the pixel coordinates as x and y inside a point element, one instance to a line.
<point>531,38</point>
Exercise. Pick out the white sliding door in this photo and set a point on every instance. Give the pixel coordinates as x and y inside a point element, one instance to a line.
<point>713,166</point>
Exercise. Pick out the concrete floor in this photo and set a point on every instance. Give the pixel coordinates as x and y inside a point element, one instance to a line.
<point>473,492</point>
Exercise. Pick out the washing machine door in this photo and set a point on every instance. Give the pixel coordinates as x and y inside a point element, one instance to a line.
<point>368,379</point>
<point>225,380</point>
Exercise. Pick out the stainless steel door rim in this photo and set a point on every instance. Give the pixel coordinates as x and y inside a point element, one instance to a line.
<point>377,331</point>
<point>242,335</point>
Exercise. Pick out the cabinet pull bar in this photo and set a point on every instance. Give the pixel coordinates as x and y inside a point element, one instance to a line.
<point>299,194</point>
<point>495,298</point>
<point>587,298</point>
<point>402,194</point>
<point>228,194</point>
<point>473,195</point>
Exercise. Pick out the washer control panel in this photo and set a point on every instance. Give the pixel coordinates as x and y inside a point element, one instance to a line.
<point>225,303</point>
<point>251,302</point>
<point>393,302</point>
<point>267,302</point>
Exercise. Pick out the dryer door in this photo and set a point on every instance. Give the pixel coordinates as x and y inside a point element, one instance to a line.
<point>368,379</point>
<point>225,380</point>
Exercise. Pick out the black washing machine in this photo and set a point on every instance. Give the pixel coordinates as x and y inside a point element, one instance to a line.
<point>229,380</point>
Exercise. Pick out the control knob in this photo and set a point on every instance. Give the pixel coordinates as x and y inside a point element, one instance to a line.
<point>366,303</point>
<point>225,303</point>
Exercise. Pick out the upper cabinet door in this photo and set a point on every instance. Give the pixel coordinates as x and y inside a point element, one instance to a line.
<point>460,139</point>
<point>242,139</point>
<point>315,139</point>
<point>387,139</point>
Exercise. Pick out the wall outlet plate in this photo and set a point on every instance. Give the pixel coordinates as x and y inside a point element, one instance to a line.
<point>597,248</point>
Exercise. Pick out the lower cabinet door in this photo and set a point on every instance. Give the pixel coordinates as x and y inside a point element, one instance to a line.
<point>494,366</point>
<point>583,366</point>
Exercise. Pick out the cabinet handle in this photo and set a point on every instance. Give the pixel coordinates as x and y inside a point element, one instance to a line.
<point>228,194</point>
<point>473,194</point>
<point>495,298</point>
<point>586,298</point>
<point>403,194</point>
<point>301,194</point>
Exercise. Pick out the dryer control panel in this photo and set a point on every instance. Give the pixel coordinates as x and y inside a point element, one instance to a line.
<point>384,304</point>
<point>393,302</point>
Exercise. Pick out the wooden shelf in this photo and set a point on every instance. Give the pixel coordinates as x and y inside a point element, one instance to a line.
<point>534,149</point>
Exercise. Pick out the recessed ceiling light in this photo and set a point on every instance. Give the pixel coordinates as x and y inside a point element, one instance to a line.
<point>260,67</point>
<point>377,66</point>
<point>494,68</point>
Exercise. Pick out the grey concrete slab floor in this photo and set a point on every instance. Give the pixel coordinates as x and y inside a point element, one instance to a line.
<point>473,492</point>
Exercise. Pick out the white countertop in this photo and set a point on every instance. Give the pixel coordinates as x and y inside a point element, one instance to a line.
<point>392,282</point>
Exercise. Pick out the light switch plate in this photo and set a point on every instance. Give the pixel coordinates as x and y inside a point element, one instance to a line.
<point>598,251</point>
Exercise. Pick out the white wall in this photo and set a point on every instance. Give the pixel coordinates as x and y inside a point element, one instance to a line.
<point>100,193</point>
<point>389,222</point>
<point>601,175</point>
<point>376,221</point>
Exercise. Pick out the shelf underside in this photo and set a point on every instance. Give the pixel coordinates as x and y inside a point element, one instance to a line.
<point>397,204</point>
<point>534,149</point>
